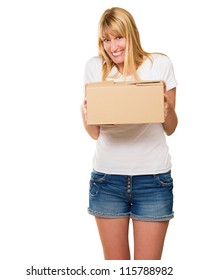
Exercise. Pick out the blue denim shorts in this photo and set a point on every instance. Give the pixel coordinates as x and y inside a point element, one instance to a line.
<point>142,197</point>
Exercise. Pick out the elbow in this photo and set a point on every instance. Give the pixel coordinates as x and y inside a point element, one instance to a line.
<point>94,132</point>
<point>170,130</point>
<point>169,133</point>
<point>95,137</point>
<point>170,123</point>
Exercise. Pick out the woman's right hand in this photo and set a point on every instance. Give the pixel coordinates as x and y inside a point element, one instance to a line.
<point>84,108</point>
<point>93,130</point>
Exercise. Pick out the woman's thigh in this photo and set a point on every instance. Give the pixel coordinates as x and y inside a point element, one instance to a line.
<point>149,239</point>
<point>114,238</point>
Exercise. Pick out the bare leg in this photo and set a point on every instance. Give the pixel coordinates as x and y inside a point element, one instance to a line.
<point>114,238</point>
<point>149,239</point>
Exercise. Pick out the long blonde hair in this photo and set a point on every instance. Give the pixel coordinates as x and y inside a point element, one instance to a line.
<point>120,22</point>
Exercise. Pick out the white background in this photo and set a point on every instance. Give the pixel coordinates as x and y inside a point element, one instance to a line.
<point>45,153</point>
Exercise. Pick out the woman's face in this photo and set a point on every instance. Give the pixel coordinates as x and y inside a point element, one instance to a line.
<point>115,47</point>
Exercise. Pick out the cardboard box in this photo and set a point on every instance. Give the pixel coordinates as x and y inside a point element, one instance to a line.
<point>125,102</point>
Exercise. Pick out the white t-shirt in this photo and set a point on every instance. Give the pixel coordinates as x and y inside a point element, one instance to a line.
<point>133,149</point>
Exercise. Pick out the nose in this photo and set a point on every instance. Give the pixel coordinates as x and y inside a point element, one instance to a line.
<point>113,45</point>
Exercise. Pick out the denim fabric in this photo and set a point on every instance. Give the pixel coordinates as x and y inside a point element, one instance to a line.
<point>144,197</point>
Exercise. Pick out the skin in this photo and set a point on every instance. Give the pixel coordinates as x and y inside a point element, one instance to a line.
<point>115,47</point>
<point>148,236</point>
<point>148,239</point>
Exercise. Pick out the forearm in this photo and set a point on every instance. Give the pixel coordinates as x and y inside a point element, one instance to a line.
<point>171,119</point>
<point>171,122</point>
<point>92,130</point>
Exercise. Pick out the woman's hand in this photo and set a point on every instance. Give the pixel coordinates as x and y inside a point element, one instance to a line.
<point>84,108</point>
<point>93,130</point>
<point>168,105</point>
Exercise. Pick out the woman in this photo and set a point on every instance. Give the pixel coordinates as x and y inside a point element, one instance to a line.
<point>131,177</point>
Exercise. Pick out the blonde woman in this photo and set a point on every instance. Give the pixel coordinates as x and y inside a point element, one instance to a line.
<point>131,177</point>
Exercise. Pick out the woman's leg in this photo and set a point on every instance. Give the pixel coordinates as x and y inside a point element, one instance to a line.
<point>114,238</point>
<point>149,239</point>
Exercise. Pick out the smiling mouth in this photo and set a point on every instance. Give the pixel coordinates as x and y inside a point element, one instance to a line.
<point>115,54</point>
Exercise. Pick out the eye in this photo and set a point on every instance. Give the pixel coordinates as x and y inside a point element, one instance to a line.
<point>106,40</point>
<point>119,37</point>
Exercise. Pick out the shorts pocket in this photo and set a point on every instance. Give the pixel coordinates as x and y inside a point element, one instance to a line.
<point>165,179</point>
<point>94,189</point>
<point>98,176</point>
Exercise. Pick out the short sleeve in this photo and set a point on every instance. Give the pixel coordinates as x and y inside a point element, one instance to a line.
<point>166,71</point>
<point>93,70</point>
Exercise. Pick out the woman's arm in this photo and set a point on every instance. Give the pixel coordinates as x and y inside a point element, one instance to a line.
<point>171,119</point>
<point>93,130</point>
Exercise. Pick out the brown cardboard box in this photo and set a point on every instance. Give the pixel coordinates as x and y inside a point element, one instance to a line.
<point>125,102</point>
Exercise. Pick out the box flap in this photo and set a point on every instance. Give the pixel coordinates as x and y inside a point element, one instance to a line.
<point>125,83</point>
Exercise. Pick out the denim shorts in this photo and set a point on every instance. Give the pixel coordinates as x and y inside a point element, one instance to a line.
<point>142,197</point>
